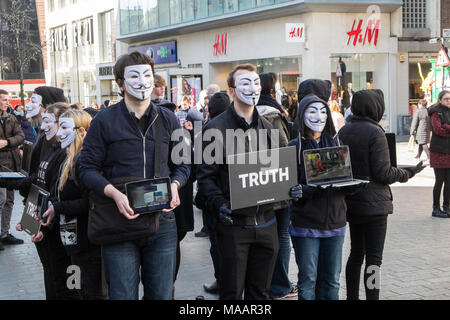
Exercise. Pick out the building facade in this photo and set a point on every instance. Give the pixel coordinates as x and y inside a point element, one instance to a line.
<point>81,39</point>
<point>195,42</point>
<point>9,70</point>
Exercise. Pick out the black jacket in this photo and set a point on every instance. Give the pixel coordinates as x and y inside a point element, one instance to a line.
<point>440,144</point>
<point>370,158</point>
<point>114,147</point>
<point>317,209</point>
<point>72,203</point>
<point>213,179</point>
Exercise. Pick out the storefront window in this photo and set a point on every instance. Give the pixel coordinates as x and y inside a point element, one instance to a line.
<point>187,10</point>
<point>201,9</point>
<point>264,2</point>
<point>362,71</point>
<point>164,13</point>
<point>106,46</point>
<point>124,18</point>
<point>150,14</point>
<point>246,4</point>
<point>215,7</point>
<point>185,86</point>
<point>231,6</point>
<point>175,11</point>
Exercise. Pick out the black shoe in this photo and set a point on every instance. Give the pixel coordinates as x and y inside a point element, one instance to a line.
<point>10,239</point>
<point>213,288</point>
<point>201,234</point>
<point>438,213</point>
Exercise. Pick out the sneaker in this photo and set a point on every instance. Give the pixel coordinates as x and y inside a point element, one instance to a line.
<point>291,294</point>
<point>438,213</point>
<point>201,234</point>
<point>10,239</point>
<point>213,288</point>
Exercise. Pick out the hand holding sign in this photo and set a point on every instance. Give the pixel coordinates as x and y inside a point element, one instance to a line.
<point>224,215</point>
<point>296,192</point>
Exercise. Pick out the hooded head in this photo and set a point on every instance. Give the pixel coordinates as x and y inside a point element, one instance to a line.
<point>194,115</point>
<point>218,103</point>
<point>320,88</point>
<point>50,95</point>
<point>313,100</point>
<point>368,104</point>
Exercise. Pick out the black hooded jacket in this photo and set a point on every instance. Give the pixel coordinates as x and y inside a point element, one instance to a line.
<point>370,158</point>
<point>213,179</point>
<point>320,88</point>
<point>317,209</point>
<point>438,143</point>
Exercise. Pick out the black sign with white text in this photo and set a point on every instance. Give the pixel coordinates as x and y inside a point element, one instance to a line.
<point>263,177</point>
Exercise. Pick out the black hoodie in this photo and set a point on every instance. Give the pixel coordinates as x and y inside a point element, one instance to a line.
<point>318,209</point>
<point>369,153</point>
<point>320,88</point>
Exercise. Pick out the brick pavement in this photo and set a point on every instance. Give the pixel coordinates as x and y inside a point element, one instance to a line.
<point>416,262</point>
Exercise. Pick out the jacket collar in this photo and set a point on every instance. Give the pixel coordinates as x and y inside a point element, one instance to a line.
<point>241,121</point>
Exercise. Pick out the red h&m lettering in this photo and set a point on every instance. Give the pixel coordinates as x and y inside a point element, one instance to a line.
<point>220,45</point>
<point>296,33</point>
<point>372,32</point>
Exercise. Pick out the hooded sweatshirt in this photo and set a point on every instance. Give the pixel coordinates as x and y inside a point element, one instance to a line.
<point>318,87</point>
<point>320,213</point>
<point>369,153</point>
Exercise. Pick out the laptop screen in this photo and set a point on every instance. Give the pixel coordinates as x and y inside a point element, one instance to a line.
<point>26,157</point>
<point>327,165</point>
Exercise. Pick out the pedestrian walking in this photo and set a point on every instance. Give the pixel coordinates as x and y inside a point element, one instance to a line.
<point>368,209</point>
<point>421,129</point>
<point>440,153</point>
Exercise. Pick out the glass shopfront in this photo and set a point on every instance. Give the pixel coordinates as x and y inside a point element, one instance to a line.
<point>185,85</point>
<point>362,71</point>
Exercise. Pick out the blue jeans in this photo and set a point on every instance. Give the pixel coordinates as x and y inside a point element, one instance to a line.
<point>307,255</point>
<point>281,285</point>
<point>153,258</point>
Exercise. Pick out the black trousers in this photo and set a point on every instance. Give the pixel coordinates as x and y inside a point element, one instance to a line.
<point>93,283</point>
<point>248,259</point>
<point>442,176</point>
<point>180,237</point>
<point>367,241</point>
<point>55,262</point>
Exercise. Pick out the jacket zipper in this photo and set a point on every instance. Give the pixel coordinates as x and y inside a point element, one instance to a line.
<point>143,142</point>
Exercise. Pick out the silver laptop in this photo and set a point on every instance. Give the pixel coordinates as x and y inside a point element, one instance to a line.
<point>329,166</point>
<point>25,166</point>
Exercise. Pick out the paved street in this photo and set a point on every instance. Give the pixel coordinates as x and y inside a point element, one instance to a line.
<point>416,258</point>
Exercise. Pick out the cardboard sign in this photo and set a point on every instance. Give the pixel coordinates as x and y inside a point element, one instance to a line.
<point>258,184</point>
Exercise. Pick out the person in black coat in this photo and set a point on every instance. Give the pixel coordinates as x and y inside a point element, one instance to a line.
<point>368,209</point>
<point>71,207</point>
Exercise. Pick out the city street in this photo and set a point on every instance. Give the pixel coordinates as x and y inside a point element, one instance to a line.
<point>416,261</point>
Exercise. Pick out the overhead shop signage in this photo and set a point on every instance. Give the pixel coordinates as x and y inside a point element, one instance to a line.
<point>220,45</point>
<point>58,38</point>
<point>164,52</point>
<point>295,32</point>
<point>83,32</point>
<point>364,34</point>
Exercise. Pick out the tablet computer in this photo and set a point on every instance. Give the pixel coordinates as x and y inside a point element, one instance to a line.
<point>149,196</point>
<point>35,206</point>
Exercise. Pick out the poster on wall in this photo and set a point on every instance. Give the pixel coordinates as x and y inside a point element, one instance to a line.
<point>185,86</point>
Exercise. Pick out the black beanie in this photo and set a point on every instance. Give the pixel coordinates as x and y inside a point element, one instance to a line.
<point>218,103</point>
<point>50,95</point>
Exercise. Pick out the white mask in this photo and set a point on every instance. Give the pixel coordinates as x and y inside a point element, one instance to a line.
<point>316,116</point>
<point>66,132</point>
<point>248,88</point>
<point>139,81</point>
<point>49,125</point>
<point>34,106</point>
